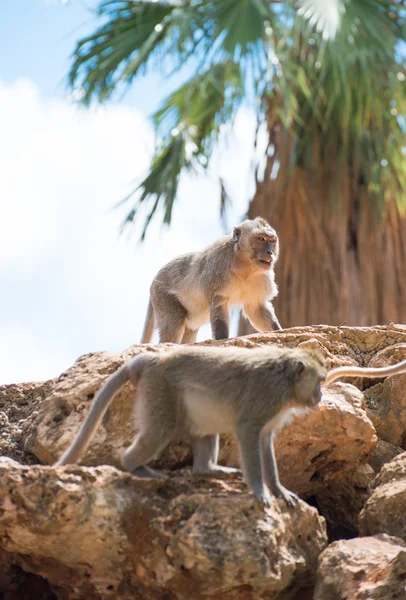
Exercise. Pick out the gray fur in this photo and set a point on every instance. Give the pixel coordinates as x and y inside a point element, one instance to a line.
<point>195,288</point>
<point>202,392</point>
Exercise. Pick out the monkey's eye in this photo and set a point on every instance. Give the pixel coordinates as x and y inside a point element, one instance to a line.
<point>261,239</point>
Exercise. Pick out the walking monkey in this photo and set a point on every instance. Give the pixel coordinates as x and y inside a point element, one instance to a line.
<point>205,391</point>
<point>199,287</point>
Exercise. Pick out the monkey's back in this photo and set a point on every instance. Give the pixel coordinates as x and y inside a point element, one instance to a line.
<point>225,377</point>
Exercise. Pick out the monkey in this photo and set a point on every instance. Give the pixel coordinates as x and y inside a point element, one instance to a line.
<point>205,391</point>
<point>200,287</point>
<point>339,372</point>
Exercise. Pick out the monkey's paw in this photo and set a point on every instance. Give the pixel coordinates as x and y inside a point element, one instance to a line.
<point>289,497</point>
<point>147,472</point>
<point>217,471</point>
<point>264,497</point>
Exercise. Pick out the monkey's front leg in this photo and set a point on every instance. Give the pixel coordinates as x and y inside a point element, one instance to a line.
<point>271,471</point>
<point>262,316</point>
<point>219,319</point>
<point>248,436</point>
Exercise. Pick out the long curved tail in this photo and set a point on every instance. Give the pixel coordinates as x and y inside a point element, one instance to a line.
<point>148,325</point>
<point>94,416</point>
<point>339,372</point>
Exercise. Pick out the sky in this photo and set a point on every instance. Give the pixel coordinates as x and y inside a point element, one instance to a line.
<point>69,283</point>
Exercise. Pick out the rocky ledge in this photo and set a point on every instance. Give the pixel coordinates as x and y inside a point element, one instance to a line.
<point>95,532</point>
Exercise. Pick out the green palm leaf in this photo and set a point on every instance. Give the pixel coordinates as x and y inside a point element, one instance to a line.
<point>340,101</point>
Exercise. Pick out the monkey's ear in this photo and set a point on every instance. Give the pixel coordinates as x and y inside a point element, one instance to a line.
<point>236,234</point>
<point>298,370</point>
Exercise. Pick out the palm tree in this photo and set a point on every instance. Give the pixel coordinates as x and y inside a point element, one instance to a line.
<point>331,99</point>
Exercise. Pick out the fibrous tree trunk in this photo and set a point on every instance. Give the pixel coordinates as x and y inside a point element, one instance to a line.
<point>339,262</point>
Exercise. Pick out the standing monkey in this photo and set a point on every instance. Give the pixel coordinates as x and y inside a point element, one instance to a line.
<point>199,287</point>
<point>202,392</point>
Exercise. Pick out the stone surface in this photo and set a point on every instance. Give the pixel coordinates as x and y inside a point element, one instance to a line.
<point>383,453</point>
<point>316,448</point>
<point>97,533</point>
<point>77,532</point>
<point>341,500</point>
<point>19,404</point>
<point>385,510</point>
<point>369,568</point>
<point>386,407</point>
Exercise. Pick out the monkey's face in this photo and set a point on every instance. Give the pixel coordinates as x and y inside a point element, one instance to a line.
<point>308,385</point>
<point>264,247</point>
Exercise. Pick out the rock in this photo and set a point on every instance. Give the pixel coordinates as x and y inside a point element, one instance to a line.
<point>383,453</point>
<point>369,568</point>
<point>316,448</point>
<point>97,533</point>
<point>389,355</point>
<point>16,584</point>
<point>64,409</point>
<point>341,500</point>
<point>386,407</point>
<point>340,345</point>
<point>18,405</point>
<point>384,511</point>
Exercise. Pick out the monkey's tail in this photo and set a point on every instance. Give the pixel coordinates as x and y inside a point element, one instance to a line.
<point>338,372</point>
<point>94,416</point>
<point>148,325</point>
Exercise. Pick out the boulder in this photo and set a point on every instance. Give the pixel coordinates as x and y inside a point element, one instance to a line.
<point>19,405</point>
<point>385,509</point>
<point>383,453</point>
<point>367,568</point>
<point>342,498</point>
<point>386,407</point>
<point>98,533</point>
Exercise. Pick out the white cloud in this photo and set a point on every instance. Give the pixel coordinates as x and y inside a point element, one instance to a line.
<point>69,284</point>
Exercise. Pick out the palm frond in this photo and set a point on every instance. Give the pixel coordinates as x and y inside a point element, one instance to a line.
<point>325,15</point>
<point>135,32</point>
<point>160,185</point>
<point>189,122</point>
<point>328,74</point>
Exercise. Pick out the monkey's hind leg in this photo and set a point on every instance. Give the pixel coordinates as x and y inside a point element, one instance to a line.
<point>189,337</point>
<point>156,420</point>
<point>148,444</point>
<point>205,456</point>
<point>170,315</point>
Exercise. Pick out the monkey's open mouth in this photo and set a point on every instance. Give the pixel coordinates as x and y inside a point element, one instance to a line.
<point>266,262</point>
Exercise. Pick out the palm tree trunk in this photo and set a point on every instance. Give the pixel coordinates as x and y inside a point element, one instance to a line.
<point>338,263</point>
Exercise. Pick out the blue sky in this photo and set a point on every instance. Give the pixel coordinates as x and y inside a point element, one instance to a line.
<point>68,283</point>
<point>37,38</point>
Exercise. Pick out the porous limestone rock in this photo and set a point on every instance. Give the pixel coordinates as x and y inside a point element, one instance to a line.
<point>386,407</point>
<point>72,533</point>
<point>368,568</point>
<point>342,498</point>
<point>19,403</point>
<point>98,533</point>
<point>385,509</point>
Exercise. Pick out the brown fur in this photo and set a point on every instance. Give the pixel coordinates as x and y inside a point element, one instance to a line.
<point>199,287</point>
